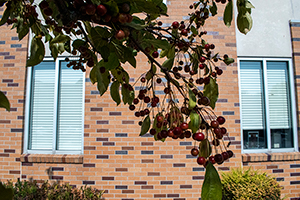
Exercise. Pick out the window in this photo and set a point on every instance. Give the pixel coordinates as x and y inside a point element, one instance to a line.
<point>54,109</point>
<point>268,118</point>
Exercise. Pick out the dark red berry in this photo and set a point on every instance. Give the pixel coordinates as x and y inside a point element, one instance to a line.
<point>202,59</point>
<point>170,133</point>
<point>217,130</point>
<point>155,54</point>
<point>143,80</point>
<point>158,80</point>
<point>187,134</point>
<point>184,126</point>
<point>131,107</point>
<point>137,114</point>
<point>219,159</point>
<point>223,131</point>
<point>212,159</point>
<point>195,152</point>
<point>152,131</point>
<point>225,155</point>
<point>230,153</point>
<point>160,118</point>
<point>147,99</point>
<point>214,124</point>
<point>221,120</point>
<point>164,133</point>
<point>216,142</point>
<point>135,101</point>
<point>177,131</point>
<point>199,136</point>
<point>175,25</point>
<point>200,160</point>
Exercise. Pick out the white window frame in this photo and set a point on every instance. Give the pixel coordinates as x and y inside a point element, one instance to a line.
<point>293,105</point>
<point>27,112</point>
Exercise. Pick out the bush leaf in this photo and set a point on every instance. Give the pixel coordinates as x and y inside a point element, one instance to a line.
<point>212,186</point>
<point>145,126</point>
<point>4,103</point>
<point>205,148</point>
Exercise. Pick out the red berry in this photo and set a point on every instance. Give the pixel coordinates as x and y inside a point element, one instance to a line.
<point>131,107</point>
<point>146,99</point>
<point>198,136</point>
<point>90,9</point>
<point>184,126</point>
<point>137,114</point>
<point>143,80</point>
<point>175,25</point>
<point>200,160</point>
<point>219,159</point>
<point>223,131</point>
<point>160,118</point>
<point>184,32</point>
<point>152,131</point>
<point>207,46</point>
<point>187,134</point>
<point>219,135</point>
<point>230,153</point>
<point>177,131</point>
<point>202,59</point>
<point>164,133</point>
<point>219,72</point>
<point>158,80</point>
<point>120,35</point>
<point>135,101</point>
<point>195,152</point>
<point>101,10</point>
<point>221,120</point>
<point>217,130</point>
<point>146,111</point>
<point>214,124</point>
<point>155,54</point>
<point>170,133</point>
<point>225,155</point>
<point>212,159</point>
<point>201,66</point>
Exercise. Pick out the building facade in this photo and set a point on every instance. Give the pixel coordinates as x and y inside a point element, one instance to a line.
<point>92,141</point>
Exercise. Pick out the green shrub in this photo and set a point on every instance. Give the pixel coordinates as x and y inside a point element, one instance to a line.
<point>55,191</point>
<point>249,184</point>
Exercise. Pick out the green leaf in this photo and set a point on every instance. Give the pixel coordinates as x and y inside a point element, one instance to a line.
<point>212,186</point>
<point>88,26</point>
<point>112,6</point>
<point>194,30</point>
<point>145,126</point>
<point>102,80</point>
<point>37,52</point>
<point>228,14</point>
<point>244,22</point>
<point>248,5</point>
<point>97,38</point>
<point>6,193</point>
<point>162,44</point>
<point>213,9</point>
<point>67,46</point>
<point>205,148</point>
<point>77,43</point>
<point>129,55</point>
<point>127,96</point>
<point>114,92</point>
<point>195,121</point>
<point>171,52</point>
<point>105,52</point>
<point>168,64</point>
<point>4,103</point>
<point>54,50</point>
<point>228,61</point>
<point>5,16</point>
<point>60,38</point>
<point>211,91</point>
<point>113,61</point>
<point>192,99</point>
<point>136,26</point>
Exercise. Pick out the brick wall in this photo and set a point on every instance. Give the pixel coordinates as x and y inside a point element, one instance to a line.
<point>115,158</point>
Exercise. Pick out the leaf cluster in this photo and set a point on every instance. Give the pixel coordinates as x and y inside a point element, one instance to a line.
<point>249,184</point>
<point>55,191</point>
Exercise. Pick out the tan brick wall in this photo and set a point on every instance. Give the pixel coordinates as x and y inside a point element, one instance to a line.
<point>115,158</point>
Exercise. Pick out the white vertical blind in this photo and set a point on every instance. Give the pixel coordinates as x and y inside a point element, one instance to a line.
<point>278,94</point>
<point>251,84</point>
<point>70,109</point>
<point>42,106</point>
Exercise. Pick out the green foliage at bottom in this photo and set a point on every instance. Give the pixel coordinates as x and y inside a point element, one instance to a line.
<point>249,185</point>
<point>46,191</point>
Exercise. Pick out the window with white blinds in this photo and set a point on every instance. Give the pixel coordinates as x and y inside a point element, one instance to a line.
<point>55,119</point>
<point>266,115</point>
